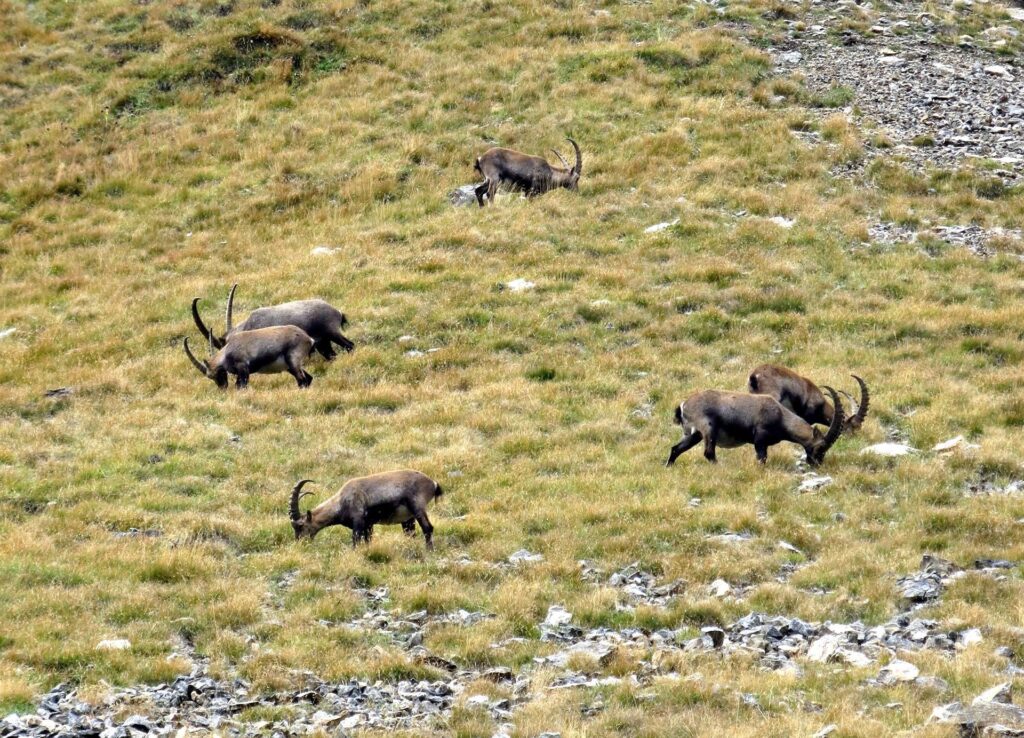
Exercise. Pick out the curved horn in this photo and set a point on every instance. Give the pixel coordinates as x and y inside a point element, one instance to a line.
<point>202,366</point>
<point>230,309</point>
<point>294,509</point>
<point>855,422</point>
<point>199,321</point>
<point>836,428</point>
<point>560,158</point>
<point>579,157</point>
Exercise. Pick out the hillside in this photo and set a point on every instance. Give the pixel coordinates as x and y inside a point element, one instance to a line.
<point>157,151</point>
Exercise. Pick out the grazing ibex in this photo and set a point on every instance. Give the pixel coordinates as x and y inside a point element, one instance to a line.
<point>322,321</point>
<point>731,419</point>
<point>389,498</point>
<point>803,397</point>
<point>530,174</point>
<point>283,348</point>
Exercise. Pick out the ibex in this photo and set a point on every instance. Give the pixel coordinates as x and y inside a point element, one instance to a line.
<point>262,351</point>
<point>322,321</point>
<point>389,498</point>
<point>731,419</point>
<point>803,397</point>
<point>530,174</point>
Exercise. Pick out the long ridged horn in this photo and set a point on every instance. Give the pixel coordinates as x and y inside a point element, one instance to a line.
<point>294,509</point>
<point>561,159</point>
<point>202,366</point>
<point>230,310</point>
<point>857,420</point>
<point>199,321</point>
<point>579,157</point>
<point>836,429</point>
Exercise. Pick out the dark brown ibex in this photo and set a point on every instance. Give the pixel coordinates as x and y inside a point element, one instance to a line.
<point>731,419</point>
<point>282,348</point>
<point>803,397</point>
<point>532,175</point>
<point>322,321</point>
<point>389,498</point>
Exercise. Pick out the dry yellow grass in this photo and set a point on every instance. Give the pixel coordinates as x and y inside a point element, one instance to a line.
<point>148,160</point>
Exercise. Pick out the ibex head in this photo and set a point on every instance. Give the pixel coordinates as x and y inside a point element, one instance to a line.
<point>216,372</point>
<point>302,525</point>
<point>570,177</point>
<point>823,442</point>
<point>215,341</point>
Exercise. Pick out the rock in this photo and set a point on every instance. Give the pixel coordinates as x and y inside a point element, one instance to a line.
<point>557,615</point>
<point>659,227</point>
<point>789,547</point>
<point>715,634</point>
<point>985,719</point>
<point>889,449</point>
<point>519,285</point>
<point>921,587</point>
<point>719,588</point>
<point>853,658</point>
<point>970,637</point>
<point>1001,693</point>
<point>114,644</point>
<point>1016,13</point>
<point>826,731</point>
<point>58,392</point>
<point>478,700</point>
<point>1000,71</point>
<point>813,483</point>
<point>782,222</point>
<point>897,671</point>
<point>948,445</point>
<point>7,332</point>
<point>731,537</point>
<point>463,196</point>
<point>823,649</point>
<point>323,251</point>
<point>522,556</point>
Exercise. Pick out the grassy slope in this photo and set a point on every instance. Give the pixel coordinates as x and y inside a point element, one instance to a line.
<point>150,155</point>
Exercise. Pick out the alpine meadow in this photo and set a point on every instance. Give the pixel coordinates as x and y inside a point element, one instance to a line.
<point>529,356</point>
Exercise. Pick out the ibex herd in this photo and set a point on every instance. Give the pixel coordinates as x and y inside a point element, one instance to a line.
<point>781,405</point>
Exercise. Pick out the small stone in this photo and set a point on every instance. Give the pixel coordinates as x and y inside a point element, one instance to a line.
<point>520,285</point>
<point>114,644</point>
<point>898,671</point>
<point>970,637</point>
<point>323,251</point>
<point>826,731</point>
<point>1001,693</point>
<point>813,483</point>
<point>889,449</point>
<point>719,588</point>
<point>557,615</point>
<point>823,649</point>
<point>999,70</point>
<point>7,332</point>
<point>948,445</point>
<point>478,700</point>
<point>789,547</point>
<point>522,556</point>
<point>659,227</point>
<point>782,222</point>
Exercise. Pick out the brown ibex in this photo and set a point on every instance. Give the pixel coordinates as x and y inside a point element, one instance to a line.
<point>803,397</point>
<point>532,175</point>
<point>283,348</point>
<point>731,419</point>
<point>320,320</point>
<point>389,498</point>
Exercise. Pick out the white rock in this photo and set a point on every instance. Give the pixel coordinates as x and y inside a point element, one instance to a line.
<point>826,731</point>
<point>1001,693</point>
<point>970,637</point>
<point>478,700</point>
<point>946,713</point>
<point>853,658</point>
<point>1016,13</point>
<point>782,222</point>
<point>719,588</point>
<point>414,353</point>
<point>520,285</point>
<point>114,644</point>
<point>404,339</point>
<point>813,483</point>
<point>823,649</point>
<point>323,251</point>
<point>351,721</point>
<point>557,615</point>
<point>898,671</point>
<point>948,445</point>
<point>999,71</point>
<point>522,556</point>
<point>659,227</point>
<point>889,449</point>
<point>786,546</point>
<point>6,332</point>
